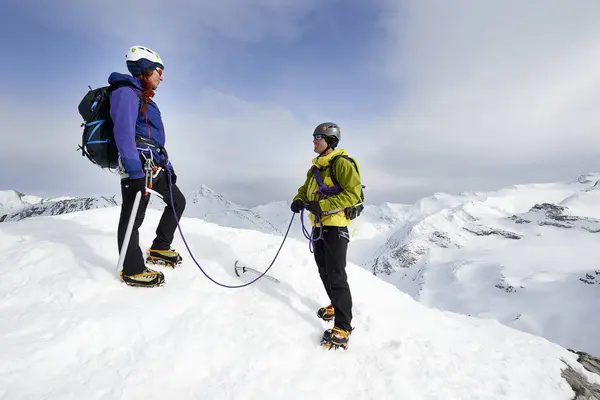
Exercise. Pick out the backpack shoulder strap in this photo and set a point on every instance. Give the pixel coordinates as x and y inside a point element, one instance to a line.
<point>332,166</point>
<point>137,91</point>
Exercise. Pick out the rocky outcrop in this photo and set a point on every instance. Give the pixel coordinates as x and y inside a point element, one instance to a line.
<point>591,278</point>
<point>547,214</point>
<point>505,286</point>
<point>398,258</point>
<point>441,239</point>
<point>57,207</point>
<point>518,220</point>
<point>487,231</point>
<point>583,388</point>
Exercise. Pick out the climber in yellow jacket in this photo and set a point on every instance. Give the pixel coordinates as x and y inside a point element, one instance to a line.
<point>332,193</point>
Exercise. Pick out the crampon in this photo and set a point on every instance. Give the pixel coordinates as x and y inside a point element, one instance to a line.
<point>168,258</point>
<point>335,338</point>
<point>326,313</point>
<point>146,278</point>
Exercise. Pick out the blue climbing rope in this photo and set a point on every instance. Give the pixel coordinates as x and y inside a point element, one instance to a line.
<point>168,172</point>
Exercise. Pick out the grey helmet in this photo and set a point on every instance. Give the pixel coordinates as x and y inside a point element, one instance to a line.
<point>331,131</point>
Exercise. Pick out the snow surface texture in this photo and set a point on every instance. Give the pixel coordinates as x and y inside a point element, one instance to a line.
<point>71,330</point>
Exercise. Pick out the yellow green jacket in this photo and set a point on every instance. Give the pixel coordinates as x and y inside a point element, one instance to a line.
<point>348,178</point>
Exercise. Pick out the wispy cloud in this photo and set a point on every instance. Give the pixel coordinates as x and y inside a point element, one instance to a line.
<point>178,25</point>
<point>489,85</point>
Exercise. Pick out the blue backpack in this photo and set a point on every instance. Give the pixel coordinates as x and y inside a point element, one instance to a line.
<point>98,140</point>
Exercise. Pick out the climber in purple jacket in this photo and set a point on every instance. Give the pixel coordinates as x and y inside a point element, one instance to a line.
<point>140,138</point>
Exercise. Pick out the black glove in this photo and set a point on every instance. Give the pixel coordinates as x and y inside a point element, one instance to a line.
<point>314,207</point>
<point>134,185</point>
<point>297,205</point>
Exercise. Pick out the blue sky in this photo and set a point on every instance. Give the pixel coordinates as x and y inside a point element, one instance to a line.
<point>333,50</point>
<point>430,96</point>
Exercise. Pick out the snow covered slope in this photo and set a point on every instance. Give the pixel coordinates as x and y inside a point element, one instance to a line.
<point>210,206</point>
<point>71,329</point>
<point>524,255</point>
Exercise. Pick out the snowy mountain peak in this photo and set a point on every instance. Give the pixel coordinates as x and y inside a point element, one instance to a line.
<point>588,178</point>
<point>211,206</point>
<point>207,193</point>
<point>12,199</point>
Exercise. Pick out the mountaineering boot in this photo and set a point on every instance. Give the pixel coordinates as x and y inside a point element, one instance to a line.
<point>326,313</point>
<point>169,258</point>
<point>146,278</point>
<point>335,338</point>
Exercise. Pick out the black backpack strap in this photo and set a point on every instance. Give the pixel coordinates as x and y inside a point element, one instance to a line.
<point>332,166</point>
<point>354,211</point>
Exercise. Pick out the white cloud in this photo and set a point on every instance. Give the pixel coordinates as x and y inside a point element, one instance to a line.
<point>254,152</point>
<point>492,84</point>
<point>222,131</point>
<point>177,25</point>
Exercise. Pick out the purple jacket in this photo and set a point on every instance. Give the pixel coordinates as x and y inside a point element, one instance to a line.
<point>124,107</point>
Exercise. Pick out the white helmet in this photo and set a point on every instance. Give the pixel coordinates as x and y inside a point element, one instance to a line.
<point>137,53</point>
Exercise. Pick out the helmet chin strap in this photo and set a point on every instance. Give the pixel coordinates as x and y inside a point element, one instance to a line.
<point>327,148</point>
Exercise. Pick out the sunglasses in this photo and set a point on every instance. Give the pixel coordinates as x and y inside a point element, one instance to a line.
<point>318,137</point>
<point>159,71</point>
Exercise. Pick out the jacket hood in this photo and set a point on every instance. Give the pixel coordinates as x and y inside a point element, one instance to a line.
<point>323,161</point>
<point>117,77</point>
